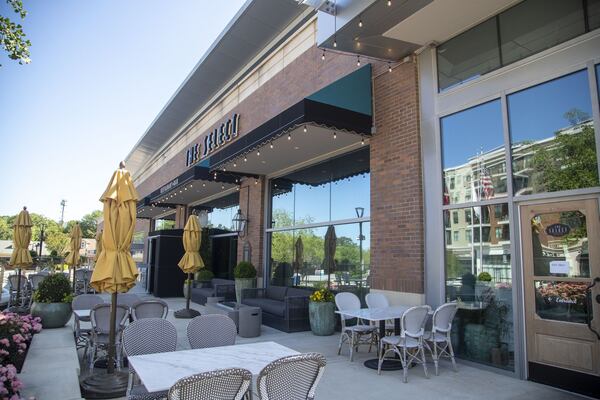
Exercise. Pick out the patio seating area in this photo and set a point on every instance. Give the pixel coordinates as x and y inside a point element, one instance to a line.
<point>341,378</point>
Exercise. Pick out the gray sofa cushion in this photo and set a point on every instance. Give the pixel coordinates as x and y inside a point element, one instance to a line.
<point>218,281</point>
<point>276,292</point>
<point>274,307</point>
<point>299,292</point>
<point>206,292</point>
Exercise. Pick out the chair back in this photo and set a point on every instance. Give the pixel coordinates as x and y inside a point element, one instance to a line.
<point>14,279</point>
<point>443,316</point>
<point>35,279</point>
<point>86,301</point>
<point>100,317</point>
<point>127,299</point>
<point>212,330</point>
<point>291,378</point>
<point>232,383</point>
<point>154,308</point>
<point>377,300</point>
<point>80,274</point>
<point>413,321</point>
<point>149,336</point>
<point>347,301</point>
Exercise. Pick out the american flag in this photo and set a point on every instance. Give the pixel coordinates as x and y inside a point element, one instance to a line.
<point>487,186</point>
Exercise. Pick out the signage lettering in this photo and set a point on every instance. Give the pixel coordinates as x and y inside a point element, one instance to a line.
<point>169,186</point>
<point>558,230</point>
<point>218,137</point>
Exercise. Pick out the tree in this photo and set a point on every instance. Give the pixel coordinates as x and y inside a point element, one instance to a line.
<point>5,229</point>
<point>88,224</point>
<point>12,37</point>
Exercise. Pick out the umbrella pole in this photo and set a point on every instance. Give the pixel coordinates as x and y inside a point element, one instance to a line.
<point>187,312</point>
<point>189,291</point>
<point>110,369</point>
<point>74,266</point>
<point>17,299</point>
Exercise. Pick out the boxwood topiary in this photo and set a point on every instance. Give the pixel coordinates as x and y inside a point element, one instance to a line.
<point>54,289</point>
<point>484,277</point>
<point>244,269</point>
<point>204,275</point>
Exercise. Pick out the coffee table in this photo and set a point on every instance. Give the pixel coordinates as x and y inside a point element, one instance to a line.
<point>250,318</point>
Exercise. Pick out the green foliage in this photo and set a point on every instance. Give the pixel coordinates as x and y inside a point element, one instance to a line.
<point>54,289</point>
<point>12,37</point>
<point>244,269</point>
<point>454,268</point>
<point>6,231</point>
<point>88,224</point>
<point>33,253</point>
<point>569,162</point>
<point>204,275</point>
<point>484,277</point>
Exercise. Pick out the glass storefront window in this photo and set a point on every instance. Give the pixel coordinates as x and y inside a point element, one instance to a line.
<point>473,147</point>
<point>552,136</point>
<point>220,218</point>
<point>536,25</point>
<point>478,277</point>
<point>162,224</point>
<point>469,55</point>
<point>561,301</point>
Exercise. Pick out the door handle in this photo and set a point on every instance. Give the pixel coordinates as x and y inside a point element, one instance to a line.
<point>588,290</point>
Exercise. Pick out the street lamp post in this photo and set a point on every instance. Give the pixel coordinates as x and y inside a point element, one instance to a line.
<point>359,214</point>
<point>41,240</point>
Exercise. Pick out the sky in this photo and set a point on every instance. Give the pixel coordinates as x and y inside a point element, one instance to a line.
<point>101,71</point>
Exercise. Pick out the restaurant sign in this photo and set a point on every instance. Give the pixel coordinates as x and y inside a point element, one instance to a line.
<point>221,135</point>
<point>169,186</point>
<point>558,230</point>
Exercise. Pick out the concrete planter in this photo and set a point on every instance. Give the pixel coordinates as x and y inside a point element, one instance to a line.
<point>243,283</point>
<point>322,317</point>
<point>53,315</point>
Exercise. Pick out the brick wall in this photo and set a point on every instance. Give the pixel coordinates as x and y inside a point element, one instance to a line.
<point>251,203</point>
<point>396,184</point>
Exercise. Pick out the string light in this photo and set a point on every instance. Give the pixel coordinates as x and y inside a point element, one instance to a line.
<point>234,165</point>
<point>203,184</point>
<point>258,153</point>
<point>389,67</point>
<point>360,24</point>
<point>362,141</point>
<point>389,3</point>
<point>289,137</point>
<point>245,159</point>
<point>334,42</point>
<point>256,181</point>
<point>335,135</point>
<point>358,61</point>
<point>222,187</point>
<point>323,56</point>
<point>305,129</point>
<point>271,145</point>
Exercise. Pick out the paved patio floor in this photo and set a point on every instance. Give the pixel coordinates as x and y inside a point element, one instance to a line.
<point>351,380</point>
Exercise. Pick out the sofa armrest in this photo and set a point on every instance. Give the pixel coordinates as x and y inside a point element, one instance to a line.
<point>253,293</point>
<point>296,307</point>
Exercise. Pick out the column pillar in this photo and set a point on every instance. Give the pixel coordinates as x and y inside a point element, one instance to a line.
<point>252,192</point>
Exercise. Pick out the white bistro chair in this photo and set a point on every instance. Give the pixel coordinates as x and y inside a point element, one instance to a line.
<point>378,300</point>
<point>409,344</point>
<point>357,334</point>
<point>439,341</point>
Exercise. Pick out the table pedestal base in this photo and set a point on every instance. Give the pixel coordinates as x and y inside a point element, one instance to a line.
<point>387,365</point>
<point>186,313</point>
<point>104,386</point>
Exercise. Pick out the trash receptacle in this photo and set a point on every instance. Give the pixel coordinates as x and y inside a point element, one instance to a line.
<point>250,321</point>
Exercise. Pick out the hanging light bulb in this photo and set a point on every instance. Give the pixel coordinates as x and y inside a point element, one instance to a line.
<point>358,61</point>
<point>335,135</point>
<point>256,181</point>
<point>389,3</point>
<point>245,159</point>
<point>362,141</point>
<point>305,129</point>
<point>258,153</point>
<point>360,24</point>
<point>203,184</point>
<point>289,137</point>
<point>222,187</point>
<point>237,188</point>
<point>271,145</point>
<point>234,165</point>
<point>389,67</point>
<point>323,56</point>
<point>334,42</point>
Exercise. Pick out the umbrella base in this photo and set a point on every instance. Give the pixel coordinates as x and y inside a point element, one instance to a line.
<point>186,313</point>
<point>104,386</point>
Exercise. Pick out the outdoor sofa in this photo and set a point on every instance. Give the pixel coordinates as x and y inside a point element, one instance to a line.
<point>283,308</point>
<point>214,288</point>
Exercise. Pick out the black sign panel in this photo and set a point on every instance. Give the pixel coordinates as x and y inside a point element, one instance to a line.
<point>558,230</point>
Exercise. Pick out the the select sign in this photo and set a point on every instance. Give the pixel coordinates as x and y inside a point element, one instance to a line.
<point>558,230</point>
<point>221,135</point>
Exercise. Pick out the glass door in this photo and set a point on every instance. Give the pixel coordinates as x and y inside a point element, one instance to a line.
<point>561,261</point>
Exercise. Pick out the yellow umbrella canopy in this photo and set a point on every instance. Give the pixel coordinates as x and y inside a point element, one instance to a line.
<point>21,238</point>
<point>74,246</point>
<point>98,245</point>
<point>115,270</point>
<point>192,237</point>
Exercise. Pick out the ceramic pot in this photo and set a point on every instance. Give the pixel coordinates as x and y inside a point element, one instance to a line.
<point>53,315</point>
<point>243,283</point>
<point>322,317</point>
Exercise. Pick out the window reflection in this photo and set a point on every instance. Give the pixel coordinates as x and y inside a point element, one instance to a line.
<point>561,301</point>
<point>552,136</point>
<point>478,276</point>
<point>593,13</point>
<point>474,165</point>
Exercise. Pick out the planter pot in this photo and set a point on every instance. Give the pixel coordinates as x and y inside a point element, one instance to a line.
<point>322,318</point>
<point>53,315</point>
<point>243,283</point>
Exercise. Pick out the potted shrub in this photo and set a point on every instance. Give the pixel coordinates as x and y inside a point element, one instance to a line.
<point>245,278</point>
<point>483,285</point>
<point>52,301</point>
<point>321,312</point>
<point>204,276</point>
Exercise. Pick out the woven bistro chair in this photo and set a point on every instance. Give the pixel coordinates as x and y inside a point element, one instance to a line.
<point>378,300</point>
<point>212,330</point>
<point>127,299</point>
<point>223,384</point>
<point>98,339</point>
<point>354,335</point>
<point>291,378</point>
<point>12,288</point>
<point>83,302</point>
<point>438,341</point>
<point>409,344</point>
<point>155,308</point>
<point>35,280</point>
<point>147,336</point>
<point>80,284</point>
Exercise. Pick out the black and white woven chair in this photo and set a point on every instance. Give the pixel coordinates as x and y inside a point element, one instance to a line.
<point>147,336</point>
<point>354,335</point>
<point>155,308</point>
<point>438,341</point>
<point>83,302</point>
<point>212,330</point>
<point>409,345</point>
<point>99,333</point>
<point>291,378</point>
<point>224,384</point>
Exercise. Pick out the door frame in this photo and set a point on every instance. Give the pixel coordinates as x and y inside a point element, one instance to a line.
<point>521,330</point>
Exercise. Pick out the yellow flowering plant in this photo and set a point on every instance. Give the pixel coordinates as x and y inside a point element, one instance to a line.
<point>321,296</point>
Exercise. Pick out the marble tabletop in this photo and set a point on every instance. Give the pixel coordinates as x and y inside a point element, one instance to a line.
<point>82,313</point>
<point>160,371</point>
<point>376,314</point>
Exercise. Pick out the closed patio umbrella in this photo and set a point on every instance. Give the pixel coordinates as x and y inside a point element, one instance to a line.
<point>98,245</point>
<point>329,256</point>
<point>72,258</point>
<point>191,261</point>
<point>299,261</point>
<point>20,256</point>
<point>115,272</point>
